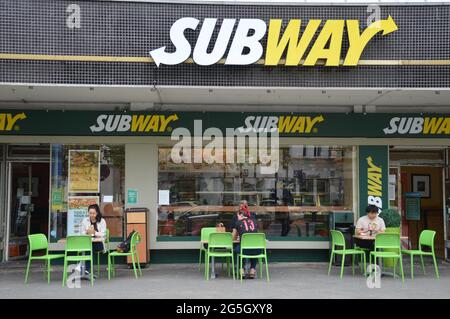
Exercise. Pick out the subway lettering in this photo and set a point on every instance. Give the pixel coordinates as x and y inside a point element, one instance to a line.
<point>8,120</point>
<point>374,184</point>
<point>133,123</point>
<point>325,43</point>
<point>284,124</point>
<point>418,125</point>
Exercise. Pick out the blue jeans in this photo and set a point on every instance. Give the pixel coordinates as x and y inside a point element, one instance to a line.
<point>237,249</point>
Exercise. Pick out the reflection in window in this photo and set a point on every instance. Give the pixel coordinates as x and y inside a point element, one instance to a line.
<point>294,202</point>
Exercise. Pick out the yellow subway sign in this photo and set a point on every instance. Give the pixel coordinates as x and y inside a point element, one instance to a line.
<point>305,42</point>
<point>9,121</point>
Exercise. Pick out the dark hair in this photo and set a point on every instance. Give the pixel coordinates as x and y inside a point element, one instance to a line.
<point>372,209</point>
<point>242,213</point>
<point>99,216</point>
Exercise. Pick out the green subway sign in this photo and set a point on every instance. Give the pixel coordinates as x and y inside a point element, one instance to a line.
<point>373,177</point>
<point>94,123</point>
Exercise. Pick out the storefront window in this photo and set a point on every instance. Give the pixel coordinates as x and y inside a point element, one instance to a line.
<point>294,203</point>
<point>96,174</point>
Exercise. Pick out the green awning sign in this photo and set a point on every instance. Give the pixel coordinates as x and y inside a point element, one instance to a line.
<point>95,123</point>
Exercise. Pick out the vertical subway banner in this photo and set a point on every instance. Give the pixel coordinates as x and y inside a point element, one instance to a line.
<point>373,177</point>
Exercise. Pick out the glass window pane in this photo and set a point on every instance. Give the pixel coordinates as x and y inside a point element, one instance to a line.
<point>293,202</point>
<point>112,184</point>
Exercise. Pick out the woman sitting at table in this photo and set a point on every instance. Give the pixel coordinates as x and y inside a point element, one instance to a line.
<point>94,226</point>
<point>245,224</point>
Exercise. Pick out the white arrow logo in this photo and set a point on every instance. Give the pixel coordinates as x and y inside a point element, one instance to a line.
<point>182,46</point>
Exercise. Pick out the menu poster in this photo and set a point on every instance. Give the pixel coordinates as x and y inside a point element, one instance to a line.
<point>77,211</point>
<point>84,171</point>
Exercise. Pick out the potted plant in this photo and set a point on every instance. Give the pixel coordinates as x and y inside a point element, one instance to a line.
<point>392,220</point>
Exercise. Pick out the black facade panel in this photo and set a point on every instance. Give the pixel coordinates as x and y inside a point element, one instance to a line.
<point>133,29</point>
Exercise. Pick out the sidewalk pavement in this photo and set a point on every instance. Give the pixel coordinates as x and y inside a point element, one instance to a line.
<point>168,281</point>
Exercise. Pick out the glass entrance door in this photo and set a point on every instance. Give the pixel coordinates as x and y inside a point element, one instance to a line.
<point>28,205</point>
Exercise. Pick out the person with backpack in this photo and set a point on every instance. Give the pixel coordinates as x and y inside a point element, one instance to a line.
<point>94,225</point>
<point>246,224</point>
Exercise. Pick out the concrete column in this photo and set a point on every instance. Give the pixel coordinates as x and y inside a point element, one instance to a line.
<point>141,173</point>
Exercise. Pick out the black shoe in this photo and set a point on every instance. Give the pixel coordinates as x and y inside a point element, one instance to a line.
<point>250,276</point>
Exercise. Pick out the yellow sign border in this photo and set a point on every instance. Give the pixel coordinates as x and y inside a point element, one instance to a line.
<point>128,59</point>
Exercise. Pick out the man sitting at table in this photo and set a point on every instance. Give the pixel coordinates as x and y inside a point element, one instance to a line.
<point>246,224</point>
<point>370,224</point>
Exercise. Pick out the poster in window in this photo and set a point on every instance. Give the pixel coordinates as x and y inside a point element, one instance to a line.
<point>77,211</point>
<point>84,171</point>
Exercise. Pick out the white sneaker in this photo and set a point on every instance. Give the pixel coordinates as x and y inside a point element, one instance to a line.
<point>87,274</point>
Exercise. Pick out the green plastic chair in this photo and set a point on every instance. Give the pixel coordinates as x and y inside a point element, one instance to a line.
<point>39,242</point>
<point>390,241</point>
<point>219,245</point>
<point>254,241</point>
<point>338,240</point>
<point>426,238</point>
<point>135,240</point>
<point>105,251</point>
<point>204,236</point>
<point>78,245</point>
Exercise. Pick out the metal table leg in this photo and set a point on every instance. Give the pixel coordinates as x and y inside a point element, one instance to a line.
<point>213,269</point>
